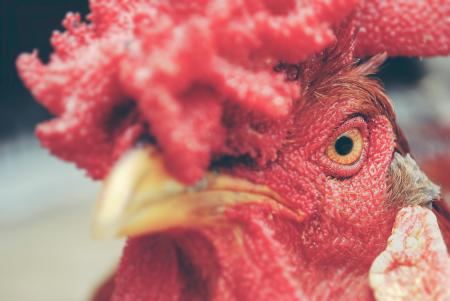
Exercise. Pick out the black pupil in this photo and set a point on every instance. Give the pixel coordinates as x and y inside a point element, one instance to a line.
<point>343,145</point>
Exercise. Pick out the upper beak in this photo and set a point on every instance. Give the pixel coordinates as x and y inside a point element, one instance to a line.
<point>140,197</point>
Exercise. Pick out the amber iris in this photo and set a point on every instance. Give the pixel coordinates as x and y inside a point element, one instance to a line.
<point>347,148</point>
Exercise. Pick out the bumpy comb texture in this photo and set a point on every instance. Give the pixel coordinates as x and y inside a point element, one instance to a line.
<point>404,27</point>
<point>194,76</point>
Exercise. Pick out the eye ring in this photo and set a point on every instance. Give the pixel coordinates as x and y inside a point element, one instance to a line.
<point>342,158</point>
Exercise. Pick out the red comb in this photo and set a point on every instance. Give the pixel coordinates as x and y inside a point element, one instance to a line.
<point>197,76</point>
<point>404,27</point>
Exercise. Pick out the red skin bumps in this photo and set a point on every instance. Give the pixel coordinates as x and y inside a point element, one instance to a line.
<point>423,31</point>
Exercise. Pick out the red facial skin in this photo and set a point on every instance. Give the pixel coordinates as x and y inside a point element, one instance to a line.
<point>267,255</point>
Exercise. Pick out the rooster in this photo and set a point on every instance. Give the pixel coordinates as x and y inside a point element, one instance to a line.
<point>246,153</point>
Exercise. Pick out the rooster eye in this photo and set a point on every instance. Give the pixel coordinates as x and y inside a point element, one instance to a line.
<point>347,148</point>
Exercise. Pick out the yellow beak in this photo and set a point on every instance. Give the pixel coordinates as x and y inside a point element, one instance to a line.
<point>140,197</point>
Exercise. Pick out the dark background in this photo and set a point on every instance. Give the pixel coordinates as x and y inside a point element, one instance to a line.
<point>26,25</point>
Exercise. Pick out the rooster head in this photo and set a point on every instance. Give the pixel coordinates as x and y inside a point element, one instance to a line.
<point>245,150</point>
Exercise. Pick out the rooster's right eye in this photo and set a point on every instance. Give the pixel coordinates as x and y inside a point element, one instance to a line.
<point>345,151</point>
<point>347,148</point>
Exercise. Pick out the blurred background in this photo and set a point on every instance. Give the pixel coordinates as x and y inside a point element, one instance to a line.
<point>46,252</point>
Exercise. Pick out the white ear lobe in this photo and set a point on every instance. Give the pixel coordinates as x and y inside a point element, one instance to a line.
<point>415,264</point>
<point>408,184</point>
